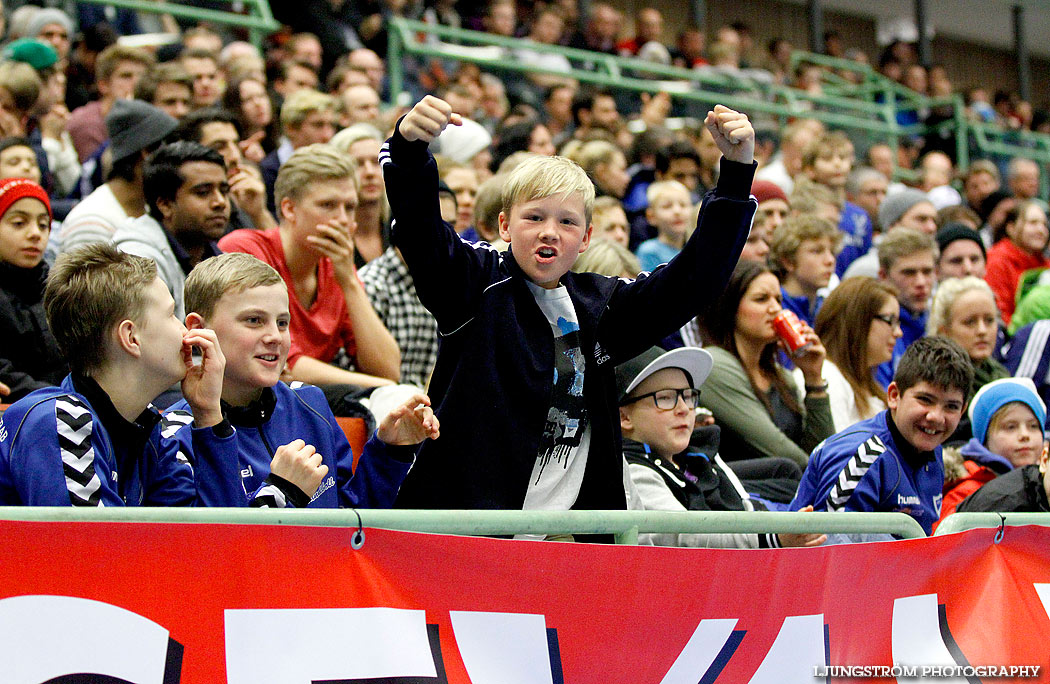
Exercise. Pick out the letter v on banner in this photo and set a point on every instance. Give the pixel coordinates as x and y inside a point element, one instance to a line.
<point>921,637</point>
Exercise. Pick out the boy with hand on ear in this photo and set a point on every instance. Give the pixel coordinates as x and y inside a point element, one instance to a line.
<point>524,382</point>
<point>96,440</point>
<point>245,302</point>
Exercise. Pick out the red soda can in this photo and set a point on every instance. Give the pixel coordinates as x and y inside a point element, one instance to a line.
<point>789,328</point>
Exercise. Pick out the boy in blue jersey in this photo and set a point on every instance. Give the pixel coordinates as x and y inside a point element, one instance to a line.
<point>95,440</point>
<point>892,462</point>
<point>245,302</point>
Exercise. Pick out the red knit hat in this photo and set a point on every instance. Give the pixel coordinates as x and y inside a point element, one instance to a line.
<point>14,189</point>
<point>766,190</point>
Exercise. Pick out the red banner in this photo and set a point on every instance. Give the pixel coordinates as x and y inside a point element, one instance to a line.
<point>168,603</point>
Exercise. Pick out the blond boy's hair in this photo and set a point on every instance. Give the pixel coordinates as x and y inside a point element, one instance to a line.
<point>658,188</point>
<point>809,196</point>
<point>901,242</point>
<point>488,203</point>
<point>226,273</point>
<point>90,290</point>
<point>541,177</point>
<point>595,153</point>
<point>602,206</point>
<point>303,103</point>
<point>22,83</point>
<point>317,162</point>
<point>824,145</point>
<point>109,59</point>
<point>606,257</point>
<point>789,236</point>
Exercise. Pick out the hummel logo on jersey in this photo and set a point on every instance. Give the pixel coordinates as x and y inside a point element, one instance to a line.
<point>247,472</point>
<point>325,486</point>
<point>908,500</point>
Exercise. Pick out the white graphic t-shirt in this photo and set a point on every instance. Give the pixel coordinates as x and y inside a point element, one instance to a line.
<point>562,454</point>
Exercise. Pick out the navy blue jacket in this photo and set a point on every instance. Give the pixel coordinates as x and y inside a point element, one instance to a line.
<point>492,384</point>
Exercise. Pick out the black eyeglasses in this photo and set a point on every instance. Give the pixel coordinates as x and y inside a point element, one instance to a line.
<point>667,399</point>
<point>892,321</point>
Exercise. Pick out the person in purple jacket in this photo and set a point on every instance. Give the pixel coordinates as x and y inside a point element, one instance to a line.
<point>245,302</point>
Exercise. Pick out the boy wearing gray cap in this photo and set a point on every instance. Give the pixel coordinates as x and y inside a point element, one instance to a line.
<point>136,129</point>
<point>658,393</point>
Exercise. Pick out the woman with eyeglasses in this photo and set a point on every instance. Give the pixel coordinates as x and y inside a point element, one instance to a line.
<point>859,325</point>
<point>964,310</point>
<point>757,403</point>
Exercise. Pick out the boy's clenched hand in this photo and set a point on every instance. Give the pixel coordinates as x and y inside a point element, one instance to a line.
<point>732,133</point>
<point>300,464</point>
<point>429,117</point>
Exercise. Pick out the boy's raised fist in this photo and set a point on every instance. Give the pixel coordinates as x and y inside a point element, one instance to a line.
<point>427,119</point>
<point>732,133</point>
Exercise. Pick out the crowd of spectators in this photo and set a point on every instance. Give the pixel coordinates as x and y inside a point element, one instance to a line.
<point>182,151</point>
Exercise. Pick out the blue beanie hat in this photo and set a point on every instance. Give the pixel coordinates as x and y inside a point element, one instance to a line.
<point>999,393</point>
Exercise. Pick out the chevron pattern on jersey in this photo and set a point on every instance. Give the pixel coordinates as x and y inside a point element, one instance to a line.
<point>173,421</point>
<point>269,496</point>
<point>78,456</point>
<point>856,468</point>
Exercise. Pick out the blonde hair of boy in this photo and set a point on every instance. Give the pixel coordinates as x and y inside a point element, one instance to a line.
<point>789,236</point>
<point>226,273</point>
<point>595,153</point>
<point>658,188</point>
<point>823,146</point>
<point>902,242</point>
<point>541,177</point>
<point>604,204</point>
<point>606,257</point>
<point>302,104</point>
<point>809,197</point>
<point>944,298</point>
<point>109,59</point>
<point>317,162</point>
<point>90,290</point>
<point>22,83</point>
<point>487,205</point>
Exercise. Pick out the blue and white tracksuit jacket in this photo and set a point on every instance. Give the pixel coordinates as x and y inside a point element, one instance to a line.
<point>55,451</point>
<point>862,469</point>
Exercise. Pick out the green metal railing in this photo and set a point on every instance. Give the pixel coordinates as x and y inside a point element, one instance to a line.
<point>868,108</point>
<point>624,525</point>
<point>960,522</point>
<point>259,21</point>
<point>630,74</point>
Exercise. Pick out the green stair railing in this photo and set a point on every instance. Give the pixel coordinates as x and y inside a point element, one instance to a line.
<point>259,21</point>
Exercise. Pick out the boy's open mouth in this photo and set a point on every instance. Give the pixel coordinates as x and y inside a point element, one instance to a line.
<point>546,253</point>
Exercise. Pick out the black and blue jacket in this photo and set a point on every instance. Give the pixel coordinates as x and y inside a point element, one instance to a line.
<point>492,384</point>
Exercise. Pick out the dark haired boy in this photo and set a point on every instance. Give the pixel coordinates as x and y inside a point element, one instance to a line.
<point>892,462</point>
